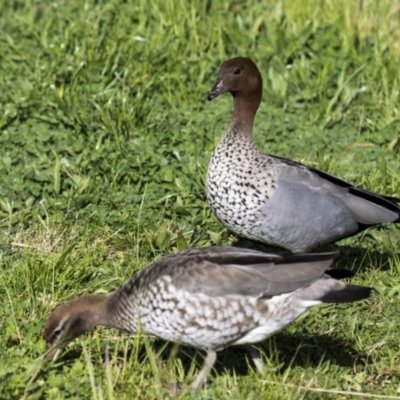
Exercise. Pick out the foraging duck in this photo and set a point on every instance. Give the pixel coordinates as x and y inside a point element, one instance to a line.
<point>209,298</point>
<point>274,200</point>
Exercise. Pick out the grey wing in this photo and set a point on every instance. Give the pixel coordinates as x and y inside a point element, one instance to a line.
<point>194,268</point>
<point>222,255</point>
<point>363,207</point>
<point>243,276</point>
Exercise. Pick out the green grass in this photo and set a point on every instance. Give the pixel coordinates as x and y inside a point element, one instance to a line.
<point>105,137</point>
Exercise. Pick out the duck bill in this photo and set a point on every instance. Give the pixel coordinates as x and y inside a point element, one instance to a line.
<point>54,350</point>
<point>218,89</point>
<point>52,353</point>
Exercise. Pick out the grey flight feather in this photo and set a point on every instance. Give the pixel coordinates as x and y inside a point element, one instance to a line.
<point>363,211</point>
<point>220,272</point>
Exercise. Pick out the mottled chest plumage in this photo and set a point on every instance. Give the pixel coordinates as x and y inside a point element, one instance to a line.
<point>196,319</point>
<point>199,320</point>
<point>239,181</point>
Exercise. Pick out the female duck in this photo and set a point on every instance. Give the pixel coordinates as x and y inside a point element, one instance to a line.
<point>209,298</point>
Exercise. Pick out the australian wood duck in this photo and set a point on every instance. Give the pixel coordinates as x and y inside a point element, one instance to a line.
<point>274,200</point>
<point>209,298</point>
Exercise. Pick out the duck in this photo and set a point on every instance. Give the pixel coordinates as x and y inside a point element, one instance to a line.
<point>273,200</point>
<point>209,298</point>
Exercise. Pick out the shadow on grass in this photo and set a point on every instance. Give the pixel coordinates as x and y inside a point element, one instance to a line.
<point>281,352</point>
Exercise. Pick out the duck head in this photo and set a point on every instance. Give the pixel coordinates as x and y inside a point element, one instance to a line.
<point>72,319</point>
<point>239,76</point>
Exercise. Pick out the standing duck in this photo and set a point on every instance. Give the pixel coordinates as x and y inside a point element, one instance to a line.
<point>274,200</point>
<point>209,298</point>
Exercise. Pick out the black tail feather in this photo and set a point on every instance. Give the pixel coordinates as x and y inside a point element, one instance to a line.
<point>339,273</point>
<point>347,294</point>
<point>310,257</point>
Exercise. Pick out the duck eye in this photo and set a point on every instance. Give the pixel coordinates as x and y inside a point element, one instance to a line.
<point>237,71</point>
<point>57,331</point>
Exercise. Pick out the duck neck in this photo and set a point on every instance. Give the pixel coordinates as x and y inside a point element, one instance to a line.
<point>94,310</point>
<point>244,112</point>
<point>118,306</point>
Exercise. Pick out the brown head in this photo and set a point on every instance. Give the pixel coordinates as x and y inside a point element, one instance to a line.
<point>72,319</point>
<point>241,77</point>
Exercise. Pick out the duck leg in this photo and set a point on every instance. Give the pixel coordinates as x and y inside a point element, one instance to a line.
<point>255,356</point>
<point>208,364</point>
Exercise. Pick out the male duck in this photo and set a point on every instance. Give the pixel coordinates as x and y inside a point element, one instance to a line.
<point>274,200</point>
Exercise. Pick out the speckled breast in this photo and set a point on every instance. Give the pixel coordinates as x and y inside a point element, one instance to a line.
<point>239,183</point>
<point>196,319</point>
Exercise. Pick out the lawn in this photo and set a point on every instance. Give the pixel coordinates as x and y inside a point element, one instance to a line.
<point>105,138</point>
